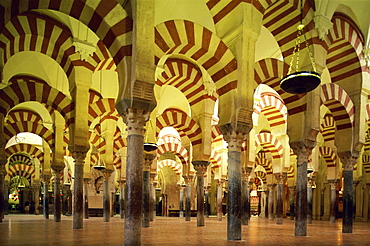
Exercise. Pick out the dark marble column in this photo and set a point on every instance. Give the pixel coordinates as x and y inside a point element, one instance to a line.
<point>291,201</point>
<point>333,200</point>
<point>245,208</point>
<point>355,185</point>
<point>280,178</point>
<point>234,224</point>
<point>107,195</point>
<point>271,202</point>
<point>86,198</point>
<point>122,184</point>
<point>263,204</point>
<point>348,160</point>
<point>302,152</point>
<point>148,159</point>
<point>135,120</point>
<point>181,205</point>
<point>309,200</point>
<point>65,190</point>
<point>46,179</point>
<point>2,176</point>
<point>188,180</point>
<point>6,196</point>
<point>57,196</point>
<point>78,201</point>
<point>206,201</point>
<point>220,183</point>
<point>152,204</point>
<point>367,207</point>
<point>201,168</point>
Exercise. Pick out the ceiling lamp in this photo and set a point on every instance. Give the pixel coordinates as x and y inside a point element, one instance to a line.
<point>150,147</point>
<point>300,82</point>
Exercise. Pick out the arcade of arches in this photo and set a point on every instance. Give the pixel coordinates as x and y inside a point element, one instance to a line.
<point>86,84</point>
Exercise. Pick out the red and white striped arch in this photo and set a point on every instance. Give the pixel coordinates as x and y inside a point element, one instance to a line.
<point>107,19</point>
<point>182,37</point>
<point>262,175</point>
<point>340,105</point>
<point>290,173</point>
<point>329,155</point>
<point>103,108</point>
<point>273,107</point>
<point>179,120</point>
<point>11,130</point>
<point>186,77</point>
<point>25,148</point>
<point>22,89</point>
<point>327,127</point>
<point>215,159</point>
<point>176,149</point>
<point>177,167</point>
<point>264,162</point>
<point>22,170</point>
<point>268,141</point>
<point>23,115</point>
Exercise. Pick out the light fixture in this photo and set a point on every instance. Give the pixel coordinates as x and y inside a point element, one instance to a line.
<point>150,147</point>
<point>300,82</point>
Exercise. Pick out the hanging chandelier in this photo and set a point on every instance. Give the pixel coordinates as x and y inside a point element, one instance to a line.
<point>300,82</point>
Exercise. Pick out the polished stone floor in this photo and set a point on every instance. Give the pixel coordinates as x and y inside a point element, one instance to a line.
<point>34,230</point>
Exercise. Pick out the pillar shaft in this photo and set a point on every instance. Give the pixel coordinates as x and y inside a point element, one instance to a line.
<point>291,202</point>
<point>271,202</point>
<point>86,198</point>
<point>219,200</point>
<point>36,190</point>
<point>245,199</point>
<point>188,201</point>
<point>201,168</point>
<point>146,198</point>
<point>2,196</point>
<point>279,198</point>
<point>122,199</point>
<point>57,197</point>
<point>181,201</point>
<point>46,197</point>
<point>106,196</point>
<point>78,201</point>
<point>309,200</point>
<point>333,200</point>
<point>302,153</point>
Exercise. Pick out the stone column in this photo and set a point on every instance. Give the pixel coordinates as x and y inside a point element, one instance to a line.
<point>188,180</point>
<point>355,193</point>
<point>65,190</point>
<point>245,208</point>
<point>148,159</point>
<point>206,201</point>
<point>2,176</point>
<point>135,120</point>
<point>122,199</point>
<point>263,205</point>
<point>234,139</point>
<point>333,200</point>
<point>367,206</point>
<point>46,179</point>
<point>86,197</point>
<point>322,202</point>
<point>106,194</point>
<point>57,196</point>
<point>271,201</point>
<point>348,161</point>
<point>309,200</point>
<point>291,201</point>
<point>78,201</point>
<point>220,183</point>
<point>152,204</point>
<point>201,168</point>
<point>280,178</point>
<point>302,151</point>
<point>181,189</point>
<point>6,196</point>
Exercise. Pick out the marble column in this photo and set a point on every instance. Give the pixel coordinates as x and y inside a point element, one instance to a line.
<point>234,140</point>
<point>206,202</point>
<point>280,178</point>
<point>348,161</point>
<point>135,120</point>
<point>6,196</point>
<point>309,200</point>
<point>152,204</point>
<point>57,196</point>
<point>271,201</point>
<point>367,207</point>
<point>86,197</point>
<point>220,184</point>
<point>122,184</point>
<point>181,205</point>
<point>355,185</point>
<point>2,177</point>
<point>188,181</point>
<point>263,205</point>
<point>245,208</point>
<point>302,151</point>
<point>46,179</point>
<point>107,194</point>
<point>201,168</point>
<point>78,201</point>
<point>148,159</point>
<point>291,202</point>
<point>65,199</point>
<point>333,200</point>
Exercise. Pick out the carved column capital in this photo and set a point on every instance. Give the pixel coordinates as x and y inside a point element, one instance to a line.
<point>280,177</point>
<point>135,119</point>
<point>188,179</point>
<point>200,167</point>
<point>148,160</point>
<point>348,160</point>
<point>333,183</point>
